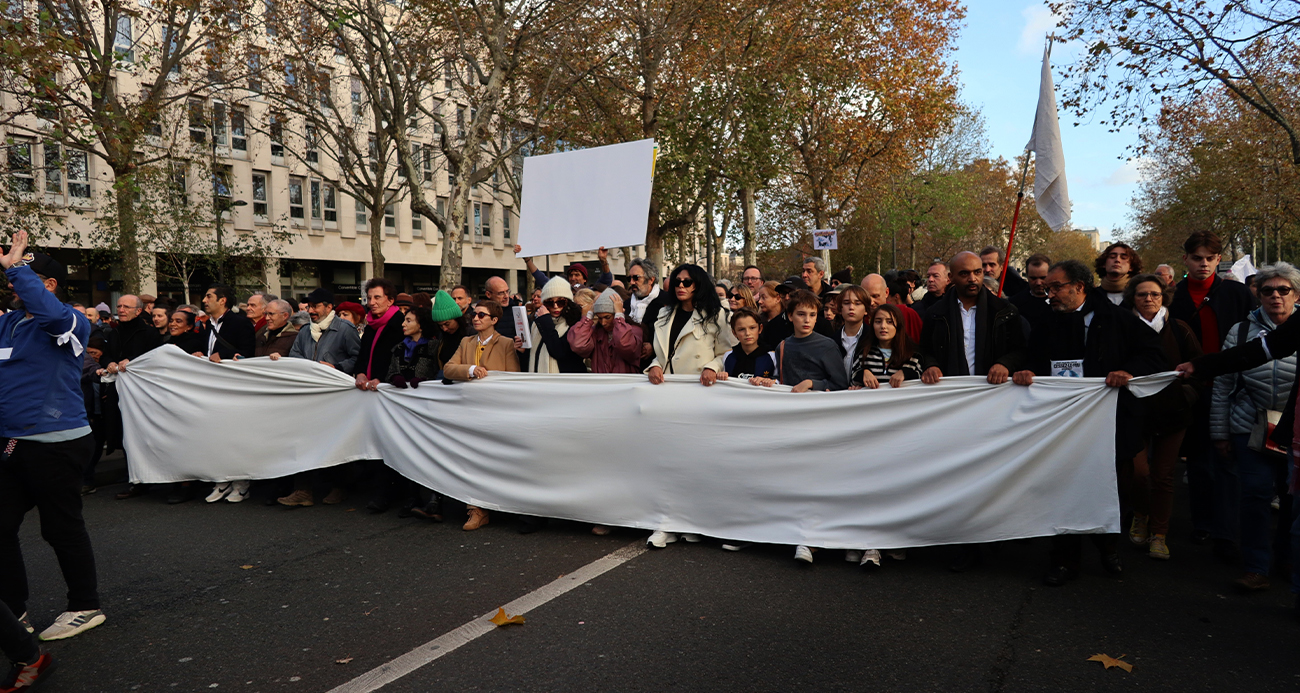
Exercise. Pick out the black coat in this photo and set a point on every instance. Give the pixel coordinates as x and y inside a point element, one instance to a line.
<point>423,364</point>
<point>1116,341</point>
<point>557,347</point>
<point>237,336</point>
<point>1031,307</point>
<point>1015,283</point>
<point>132,339</point>
<point>1231,302</point>
<point>382,349</point>
<point>999,337</point>
<point>189,342</point>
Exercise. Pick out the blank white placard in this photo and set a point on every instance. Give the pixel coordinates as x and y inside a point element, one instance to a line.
<point>581,200</point>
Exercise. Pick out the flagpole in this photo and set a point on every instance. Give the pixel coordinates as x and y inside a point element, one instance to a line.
<point>1015,218</point>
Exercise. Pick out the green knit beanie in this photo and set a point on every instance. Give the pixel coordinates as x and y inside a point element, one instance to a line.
<point>444,307</point>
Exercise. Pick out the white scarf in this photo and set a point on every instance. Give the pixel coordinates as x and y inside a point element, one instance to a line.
<point>637,314</point>
<point>1158,322</point>
<point>318,328</point>
<point>546,364</point>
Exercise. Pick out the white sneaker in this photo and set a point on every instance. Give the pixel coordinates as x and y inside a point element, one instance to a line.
<point>218,492</point>
<point>26,623</point>
<point>693,538</point>
<point>871,556</point>
<point>803,553</point>
<point>898,554</point>
<point>70,623</point>
<point>239,491</point>
<point>660,539</point>
<point>736,546</point>
<point>853,556</point>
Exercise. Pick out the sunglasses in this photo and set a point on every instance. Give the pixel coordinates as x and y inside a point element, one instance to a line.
<point>1270,290</point>
<point>551,302</point>
<point>734,297</point>
<point>482,315</point>
<point>688,282</point>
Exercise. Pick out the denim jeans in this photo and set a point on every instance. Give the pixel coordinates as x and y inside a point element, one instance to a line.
<point>1259,478</point>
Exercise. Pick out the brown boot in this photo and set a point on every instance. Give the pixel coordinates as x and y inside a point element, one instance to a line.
<point>1251,582</point>
<point>335,496</point>
<point>297,498</point>
<point>477,518</point>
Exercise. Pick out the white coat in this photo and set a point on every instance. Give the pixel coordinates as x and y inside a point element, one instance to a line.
<point>698,349</point>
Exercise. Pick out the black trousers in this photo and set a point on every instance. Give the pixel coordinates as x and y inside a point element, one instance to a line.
<point>17,644</point>
<point>47,476</point>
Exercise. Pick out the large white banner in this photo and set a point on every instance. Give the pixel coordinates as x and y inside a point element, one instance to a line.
<point>960,461</point>
<point>584,199</point>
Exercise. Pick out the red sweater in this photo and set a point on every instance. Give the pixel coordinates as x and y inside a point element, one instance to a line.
<point>1199,289</point>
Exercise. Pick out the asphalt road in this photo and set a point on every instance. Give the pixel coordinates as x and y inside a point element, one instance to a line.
<point>186,612</point>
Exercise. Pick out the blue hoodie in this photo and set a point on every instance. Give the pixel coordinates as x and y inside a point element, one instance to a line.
<point>40,361</point>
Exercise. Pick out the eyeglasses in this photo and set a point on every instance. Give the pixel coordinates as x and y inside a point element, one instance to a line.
<point>552,302</point>
<point>1056,288</point>
<point>482,315</point>
<point>638,278</point>
<point>1270,290</point>
<point>688,282</point>
<point>1149,295</point>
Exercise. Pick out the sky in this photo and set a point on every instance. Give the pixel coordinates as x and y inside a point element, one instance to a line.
<point>999,56</point>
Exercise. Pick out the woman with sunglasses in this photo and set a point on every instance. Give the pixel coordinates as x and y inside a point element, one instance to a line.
<point>741,297</point>
<point>551,351</point>
<point>479,354</point>
<point>691,336</point>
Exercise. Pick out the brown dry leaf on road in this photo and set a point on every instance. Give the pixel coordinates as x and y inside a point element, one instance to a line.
<point>501,619</point>
<point>246,567</point>
<point>1109,661</point>
<point>345,660</point>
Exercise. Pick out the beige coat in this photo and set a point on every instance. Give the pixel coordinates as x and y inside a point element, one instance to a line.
<point>697,348</point>
<point>499,356</point>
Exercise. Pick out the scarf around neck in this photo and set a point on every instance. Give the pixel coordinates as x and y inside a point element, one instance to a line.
<point>1156,323</point>
<point>379,324</point>
<point>318,328</point>
<point>410,345</point>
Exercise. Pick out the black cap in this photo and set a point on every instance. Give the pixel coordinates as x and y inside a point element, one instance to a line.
<point>791,285</point>
<point>47,267</point>
<point>321,295</point>
<point>844,276</point>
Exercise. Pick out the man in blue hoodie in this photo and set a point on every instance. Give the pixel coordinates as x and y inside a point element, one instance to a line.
<point>45,437</point>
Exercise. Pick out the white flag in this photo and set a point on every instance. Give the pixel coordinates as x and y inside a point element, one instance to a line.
<point>1244,268</point>
<point>1050,193</point>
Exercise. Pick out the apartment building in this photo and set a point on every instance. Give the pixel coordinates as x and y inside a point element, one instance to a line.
<point>232,153</point>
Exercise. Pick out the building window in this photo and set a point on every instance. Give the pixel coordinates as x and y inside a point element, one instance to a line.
<point>78,168</point>
<point>261,202</point>
<point>20,166</point>
<point>296,211</point>
<point>505,224</point>
<point>53,169</point>
<point>478,222</point>
<point>198,121</point>
<point>313,139</point>
<point>460,121</point>
<point>238,131</point>
<point>390,220</point>
<point>373,152</point>
<point>448,72</point>
<point>417,224</point>
<point>356,98</point>
<point>331,205</point>
<point>428,163</point>
<point>363,219</point>
<point>268,16</point>
<point>124,41</point>
<point>452,168</point>
<point>180,187</point>
<point>276,127</point>
<point>221,185</point>
<point>464,228</point>
<point>219,135</point>
<point>290,74</point>
<point>255,71</point>
<point>315,201</point>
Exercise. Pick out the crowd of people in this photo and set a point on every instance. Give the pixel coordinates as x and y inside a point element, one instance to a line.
<point>968,315</point>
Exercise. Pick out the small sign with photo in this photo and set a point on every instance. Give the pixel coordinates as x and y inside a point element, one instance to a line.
<point>826,239</point>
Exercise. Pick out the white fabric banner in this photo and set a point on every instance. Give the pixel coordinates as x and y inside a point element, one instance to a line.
<point>960,461</point>
<point>1051,195</point>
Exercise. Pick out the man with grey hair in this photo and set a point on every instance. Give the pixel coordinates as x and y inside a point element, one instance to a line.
<point>814,275</point>
<point>644,303</point>
<point>276,336</point>
<point>255,308</point>
<point>496,289</point>
<point>1166,274</point>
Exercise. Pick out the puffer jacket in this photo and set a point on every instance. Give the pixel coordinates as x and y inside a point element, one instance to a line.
<point>1238,397</point>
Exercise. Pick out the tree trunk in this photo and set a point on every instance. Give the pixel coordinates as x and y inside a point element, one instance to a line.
<point>452,240</point>
<point>749,222</point>
<point>709,240</point>
<point>127,242</point>
<point>377,238</point>
<point>654,239</point>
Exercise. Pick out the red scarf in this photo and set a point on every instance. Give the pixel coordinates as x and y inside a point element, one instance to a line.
<point>379,324</point>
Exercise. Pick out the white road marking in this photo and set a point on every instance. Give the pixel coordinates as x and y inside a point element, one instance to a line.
<point>389,672</point>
